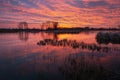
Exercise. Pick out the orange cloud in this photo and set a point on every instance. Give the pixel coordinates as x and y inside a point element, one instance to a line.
<point>69,13</point>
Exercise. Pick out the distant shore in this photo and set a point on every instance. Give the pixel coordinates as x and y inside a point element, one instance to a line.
<point>58,30</point>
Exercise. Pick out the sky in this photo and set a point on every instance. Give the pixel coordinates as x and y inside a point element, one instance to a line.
<point>69,13</point>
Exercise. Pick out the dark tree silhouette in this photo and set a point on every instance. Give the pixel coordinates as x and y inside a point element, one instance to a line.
<point>49,25</point>
<point>55,25</point>
<point>23,25</point>
<point>106,38</point>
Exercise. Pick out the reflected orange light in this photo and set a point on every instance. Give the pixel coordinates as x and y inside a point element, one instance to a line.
<point>79,37</point>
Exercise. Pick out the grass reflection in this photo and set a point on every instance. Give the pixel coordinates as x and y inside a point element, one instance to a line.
<point>77,67</point>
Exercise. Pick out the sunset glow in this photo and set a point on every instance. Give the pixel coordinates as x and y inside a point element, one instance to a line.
<point>69,13</point>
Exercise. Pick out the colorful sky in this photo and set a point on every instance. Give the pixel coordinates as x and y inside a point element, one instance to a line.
<point>69,13</point>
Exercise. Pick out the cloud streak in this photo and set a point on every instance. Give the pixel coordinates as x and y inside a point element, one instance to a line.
<point>70,13</point>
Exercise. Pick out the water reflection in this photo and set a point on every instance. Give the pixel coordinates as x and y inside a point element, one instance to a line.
<point>49,56</point>
<point>55,36</point>
<point>49,35</point>
<point>106,38</point>
<point>100,37</point>
<point>81,67</point>
<point>74,44</point>
<point>23,36</point>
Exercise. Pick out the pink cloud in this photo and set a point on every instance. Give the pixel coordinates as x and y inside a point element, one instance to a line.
<point>67,12</point>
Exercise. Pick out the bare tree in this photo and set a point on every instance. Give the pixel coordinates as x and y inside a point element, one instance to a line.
<point>23,25</point>
<point>49,24</point>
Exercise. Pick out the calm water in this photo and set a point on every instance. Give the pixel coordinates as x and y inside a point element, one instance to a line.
<point>49,56</point>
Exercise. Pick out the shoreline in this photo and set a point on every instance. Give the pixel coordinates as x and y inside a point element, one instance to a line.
<point>59,30</point>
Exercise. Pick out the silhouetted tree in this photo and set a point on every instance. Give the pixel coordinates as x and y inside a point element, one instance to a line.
<point>23,25</point>
<point>55,25</point>
<point>105,38</point>
<point>49,25</point>
<point>87,28</point>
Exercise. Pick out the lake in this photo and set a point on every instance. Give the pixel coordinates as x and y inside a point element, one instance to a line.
<point>90,55</point>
